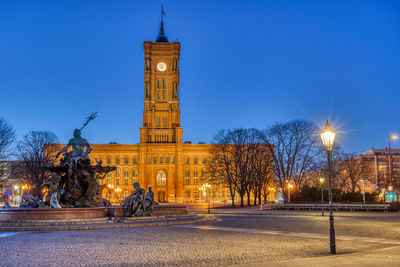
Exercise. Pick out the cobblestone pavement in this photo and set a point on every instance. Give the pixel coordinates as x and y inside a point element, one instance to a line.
<point>196,245</point>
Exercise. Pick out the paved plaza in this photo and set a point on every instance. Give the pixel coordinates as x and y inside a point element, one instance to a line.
<point>237,238</point>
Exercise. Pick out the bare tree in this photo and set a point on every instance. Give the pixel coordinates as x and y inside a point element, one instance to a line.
<point>242,162</point>
<point>7,137</point>
<point>353,169</point>
<point>296,151</point>
<point>33,151</point>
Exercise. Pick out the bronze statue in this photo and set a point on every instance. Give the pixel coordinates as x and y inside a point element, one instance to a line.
<point>74,181</point>
<point>138,202</point>
<point>29,201</point>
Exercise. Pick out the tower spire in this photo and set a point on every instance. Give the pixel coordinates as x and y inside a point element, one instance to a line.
<point>161,36</point>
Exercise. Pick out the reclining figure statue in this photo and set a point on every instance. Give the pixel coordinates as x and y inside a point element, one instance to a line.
<point>138,202</point>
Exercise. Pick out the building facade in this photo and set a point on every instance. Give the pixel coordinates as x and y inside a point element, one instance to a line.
<point>386,166</point>
<point>175,170</point>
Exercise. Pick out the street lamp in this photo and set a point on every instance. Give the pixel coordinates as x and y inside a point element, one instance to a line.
<point>322,181</point>
<point>328,137</point>
<point>393,137</point>
<point>363,182</point>
<point>204,188</point>
<point>289,186</point>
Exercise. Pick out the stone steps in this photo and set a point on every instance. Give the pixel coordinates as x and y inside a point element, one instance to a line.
<point>101,224</point>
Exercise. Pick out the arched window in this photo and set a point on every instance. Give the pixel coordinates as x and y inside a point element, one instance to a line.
<point>164,91</point>
<point>173,159</point>
<point>117,160</point>
<point>166,159</point>
<point>148,159</point>
<point>108,160</point>
<point>196,177</point>
<point>134,160</point>
<point>135,175</point>
<point>161,178</point>
<point>126,160</point>
<point>203,175</point>
<point>161,160</point>
<point>187,177</point>
<point>126,177</point>
<point>158,89</point>
<point>158,122</point>
<point>165,122</point>
<point>195,160</point>
<point>117,173</point>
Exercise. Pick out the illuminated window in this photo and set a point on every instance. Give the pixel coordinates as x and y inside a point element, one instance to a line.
<point>157,122</point>
<point>164,92</point>
<point>173,159</point>
<point>165,122</point>
<point>161,178</point>
<point>196,177</point>
<point>126,194</point>
<point>187,177</point>
<point>135,175</point>
<point>203,175</point>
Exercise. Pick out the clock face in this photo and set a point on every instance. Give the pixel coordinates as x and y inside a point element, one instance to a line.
<point>161,66</point>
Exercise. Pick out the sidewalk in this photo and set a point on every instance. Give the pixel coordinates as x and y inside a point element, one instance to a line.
<point>255,210</point>
<point>382,257</point>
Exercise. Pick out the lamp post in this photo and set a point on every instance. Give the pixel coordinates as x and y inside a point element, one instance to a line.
<point>393,137</point>
<point>322,181</point>
<point>289,186</point>
<point>363,182</point>
<point>328,137</point>
<point>204,188</point>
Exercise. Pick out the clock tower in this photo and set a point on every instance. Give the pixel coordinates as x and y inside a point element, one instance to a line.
<point>161,115</point>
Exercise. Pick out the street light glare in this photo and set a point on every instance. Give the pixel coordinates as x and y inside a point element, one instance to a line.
<point>395,136</point>
<point>328,136</point>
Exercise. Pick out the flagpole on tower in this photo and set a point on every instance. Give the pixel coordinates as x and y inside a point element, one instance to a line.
<point>161,36</point>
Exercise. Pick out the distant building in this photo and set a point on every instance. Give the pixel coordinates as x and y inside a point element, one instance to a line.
<point>10,186</point>
<point>387,170</point>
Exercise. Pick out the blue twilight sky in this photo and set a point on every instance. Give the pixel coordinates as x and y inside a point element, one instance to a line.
<point>243,64</point>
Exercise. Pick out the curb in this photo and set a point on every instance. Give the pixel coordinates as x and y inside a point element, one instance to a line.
<point>104,226</point>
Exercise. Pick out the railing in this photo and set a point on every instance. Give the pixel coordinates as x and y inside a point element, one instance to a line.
<point>335,206</point>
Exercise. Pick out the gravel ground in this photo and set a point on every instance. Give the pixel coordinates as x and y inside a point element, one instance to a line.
<point>182,246</point>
